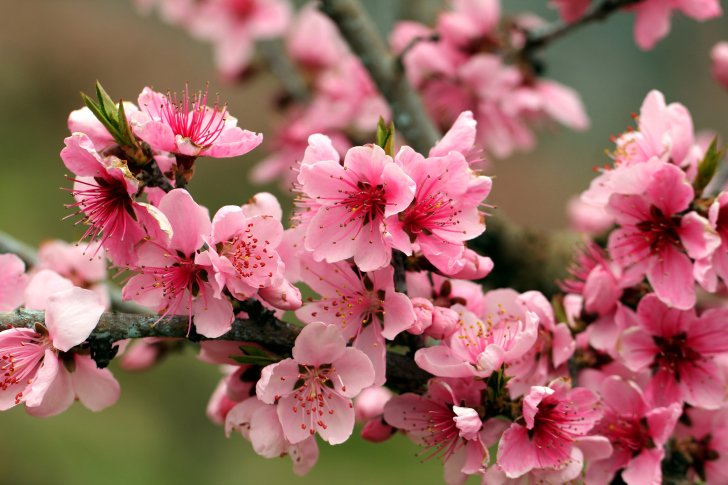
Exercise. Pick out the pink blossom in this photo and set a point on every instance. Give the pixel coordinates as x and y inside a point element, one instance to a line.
<point>370,402</point>
<point>365,308</point>
<point>189,128</point>
<point>423,311</point>
<point>440,218</point>
<point>219,404</point>
<point>637,431</point>
<point>13,281</point>
<point>41,370</point>
<point>259,423</point>
<point>313,40</point>
<point>587,218</point>
<point>314,389</point>
<point>707,269</point>
<point>42,285</point>
<point>655,239</point>
<point>103,189</point>
<point>446,424</point>
<point>169,281</point>
<point>145,353</point>
<point>555,417</point>
<point>470,21</point>
<point>571,10</point>
<point>479,348</point>
<point>353,202</point>
<point>719,67</point>
<point>681,347</point>
<point>376,430</point>
<point>652,17</point>
<point>706,435</point>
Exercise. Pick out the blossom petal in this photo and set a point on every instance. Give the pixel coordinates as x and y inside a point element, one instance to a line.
<point>96,388</point>
<point>71,316</point>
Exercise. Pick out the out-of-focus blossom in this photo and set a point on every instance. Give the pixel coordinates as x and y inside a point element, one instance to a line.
<point>13,281</point>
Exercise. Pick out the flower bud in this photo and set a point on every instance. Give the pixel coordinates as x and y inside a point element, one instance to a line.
<point>444,322</point>
<point>371,402</point>
<point>719,69</point>
<point>475,267</point>
<point>377,431</point>
<point>285,296</point>
<point>423,310</point>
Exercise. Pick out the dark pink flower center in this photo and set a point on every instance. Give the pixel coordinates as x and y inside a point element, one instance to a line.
<point>242,8</point>
<point>555,429</point>
<point>624,431</point>
<point>441,435</point>
<point>249,255</point>
<point>673,352</point>
<point>21,355</point>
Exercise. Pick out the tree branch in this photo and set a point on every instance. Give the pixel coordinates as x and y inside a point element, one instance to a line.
<point>540,38</point>
<point>281,66</point>
<point>272,333</point>
<point>360,33</point>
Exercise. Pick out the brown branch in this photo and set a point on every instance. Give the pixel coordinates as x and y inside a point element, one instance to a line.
<point>544,36</point>
<point>270,332</point>
<point>360,33</point>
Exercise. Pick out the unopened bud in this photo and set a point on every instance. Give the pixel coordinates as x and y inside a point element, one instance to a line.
<point>377,431</point>
<point>285,296</point>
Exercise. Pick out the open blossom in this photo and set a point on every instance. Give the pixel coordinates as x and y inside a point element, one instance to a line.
<point>313,390</point>
<point>365,308</point>
<point>353,202</point>
<point>555,417</point>
<point>680,346</point>
<point>446,424</point>
<point>479,347</point>
<point>706,435</point>
<point>469,22</point>
<point>637,432</point>
<point>103,190</point>
<point>169,281</point>
<point>654,238</point>
<point>13,281</point>
<point>652,17</point>
<point>39,369</point>
<point>189,128</point>
<point>709,268</point>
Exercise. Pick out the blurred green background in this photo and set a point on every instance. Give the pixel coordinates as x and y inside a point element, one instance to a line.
<point>157,432</point>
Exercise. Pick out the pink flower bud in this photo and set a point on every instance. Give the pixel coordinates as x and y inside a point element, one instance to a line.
<point>377,431</point>
<point>142,355</point>
<point>719,56</point>
<point>476,266</point>
<point>444,322</point>
<point>371,402</point>
<point>423,310</point>
<point>285,296</point>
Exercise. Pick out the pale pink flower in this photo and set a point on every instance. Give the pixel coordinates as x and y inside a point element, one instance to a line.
<point>370,402</point>
<point>445,423</point>
<point>13,281</point>
<point>103,189</point>
<point>313,39</point>
<point>84,121</point>
<point>570,10</point>
<point>707,435</point>
<point>441,217</point>
<point>145,353</point>
<point>479,347</point>
<point>719,67</point>
<point>664,134</point>
<point>555,417</point>
<point>365,308</point>
<point>219,404</point>
<point>654,239</point>
<point>637,432</point>
<point>652,17</point>
<point>353,202</point>
<point>469,22</point>
<point>189,128</point>
<point>313,390</point>
<point>681,347</point>
<point>258,422</point>
<point>423,311</point>
<point>39,368</point>
<point>587,218</point>
<point>42,285</point>
<point>169,281</point>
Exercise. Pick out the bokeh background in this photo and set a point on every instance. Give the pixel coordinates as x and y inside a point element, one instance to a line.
<point>157,433</point>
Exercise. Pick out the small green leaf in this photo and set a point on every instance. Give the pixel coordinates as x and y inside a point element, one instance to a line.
<point>253,351</point>
<point>708,166</point>
<point>107,104</point>
<point>99,114</point>
<point>557,301</point>
<point>253,360</point>
<point>385,136</point>
<point>124,127</point>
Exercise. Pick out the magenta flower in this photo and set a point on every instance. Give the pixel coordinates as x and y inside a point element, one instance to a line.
<point>652,21</point>
<point>354,201</point>
<point>169,280</point>
<point>189,128</point>
<point>479,347</point>
<point>259,423</point>
<point>13,281</point>
<point>654,238</point>
<point>365,308</point>
<point>314,389</point>
<point>103,189</point>
<point>446,424</point>
<point>555,418</point>
<point>637,431</point>
<point>441,216</point>
<point>37,362</point>
<point>680,347</point>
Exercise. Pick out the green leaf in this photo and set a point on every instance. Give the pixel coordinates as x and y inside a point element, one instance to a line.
<point>253,351</point>
<point>124,127</point>
<point>708,166</point>
<point>107,104</point>
<point>557,301</point>
<point>253,360</point>
<point>385,137</point>
<point>99,114</point>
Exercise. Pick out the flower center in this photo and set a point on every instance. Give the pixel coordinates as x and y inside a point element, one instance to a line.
<point>21,354</point>
<point>248,255</point>
<point>673,352</point>
<point>659,230</point>
<point>624,431</point>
